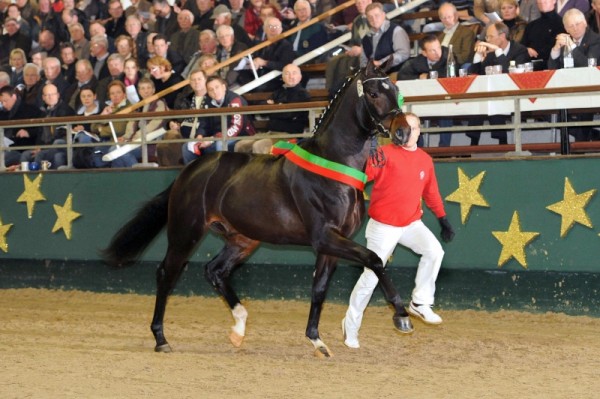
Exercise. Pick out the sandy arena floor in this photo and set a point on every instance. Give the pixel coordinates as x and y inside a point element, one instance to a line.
<point>67,344</point>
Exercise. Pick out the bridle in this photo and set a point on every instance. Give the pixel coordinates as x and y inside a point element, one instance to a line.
<point>377,125</point>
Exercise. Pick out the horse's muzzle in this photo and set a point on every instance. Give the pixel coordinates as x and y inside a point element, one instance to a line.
<point>400,130</point>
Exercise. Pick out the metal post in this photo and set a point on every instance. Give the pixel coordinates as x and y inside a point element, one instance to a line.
<point>224,133</point>
<point>517,123</point>
<point>2,166</point>
<point>565,146</point>
<point>69,148</point>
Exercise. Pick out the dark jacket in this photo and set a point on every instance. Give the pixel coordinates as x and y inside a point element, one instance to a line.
<point>290,122</point>
<point>540,34</point>
<point>311,37</point>
<point>589,47</point>
<point>517,52</point>
<point>414,67</point>
<point>51,133</point>
<point>237,124</point>
<point>22,110</point>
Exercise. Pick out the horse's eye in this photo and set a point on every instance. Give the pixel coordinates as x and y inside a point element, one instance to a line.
<point>374,95</point>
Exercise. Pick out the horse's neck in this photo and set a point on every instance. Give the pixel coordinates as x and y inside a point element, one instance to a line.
<point>342,141</point>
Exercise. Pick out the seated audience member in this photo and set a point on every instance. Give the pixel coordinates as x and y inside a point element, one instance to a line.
<point>162,49</point>
<point>509,12</point>
<point>284,122</point>
<point>223,16</point>
<point>133,131</point>
<point>133,26</point>
<point>433,57</point>
<point>385,39</point>
<point>105,131</point>
<point>116,67</point>
<point>125,46</point>
<point>584,44</point>
<point>593,16</point>
<point>170,154</point>
<point>80,43</point>
<point>496,50</point>
<point>562,6</point>
<point>53,107</point>
<point>131,76</point>
<point>84,76</point>
<point>252,19</point>
<point>166,18</point>
<point>12,39</point>
<point>13,108</point>
<point>228,47</point>
<point>341,66</point>
<point>270,58</point>
<point>164,77</point>
<point>310,38</point>
<point>207,45</point>
<point>237,124</point>
<point>185,41</point>
<point>539,34</point>
<point>99,56</point>
<point>53,74</point>
<point>83,157</point>
<point>461,37</point>
<point>529,10</point>
<point>32,78</point>
<point>17,62</point>
<point>68,60</point>
<point>203,13</point>
<point>115,25</point>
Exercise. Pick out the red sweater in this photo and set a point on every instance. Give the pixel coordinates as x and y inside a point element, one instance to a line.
<point>405,178</point>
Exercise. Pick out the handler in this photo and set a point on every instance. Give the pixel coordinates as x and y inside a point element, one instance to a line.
<point>404,177</point>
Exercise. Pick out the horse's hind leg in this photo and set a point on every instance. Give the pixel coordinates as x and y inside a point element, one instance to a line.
<point>217,273</point>
<point>325,267</point>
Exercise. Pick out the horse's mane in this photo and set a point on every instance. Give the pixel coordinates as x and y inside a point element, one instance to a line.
<point>334,103</point>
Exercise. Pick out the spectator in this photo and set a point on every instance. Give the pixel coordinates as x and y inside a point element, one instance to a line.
<point>204,14</point>
<point>593,16</point>
<point>529,10</point>
<point>228,48</point>
<point>48,44</point>
<point>539,33</point>
<point>185,41</point>
<point>166,19</point>
<point>385,40</point>
<point>125,46</point>
<point>164,77</point>
<point>133,130</point>
<point>509,12</point>
<point>79,41</point>
<point>12,39</point>
<point>53,74</point>
<point>131,79</point>
<point>207,45</point>
<point>266,11</point>
<point>14,108</point>
<point>309,38</point>
<point>38,56</point>
<point>116,68</point>
<point>17,62</point>
<point>31,94</point>
<point>237,124</point>
<point>497,50</point>
<point>584,44</point>
<point>53,107</point>
<point>252,19</point>
<point>481,7</point>
<point>222,16</point>
<point>133,26</point>
<point>84,77</point>
<point>236,7</point>
<point>162,49</point>
<point>68,60</point>
<point>115,26</point>
<point>284,122</point>
<point>14,13</point>
<point>461,37</point>
<point>272,57</point>
<point>97,29</point>
<point>83,157</point>
<point>99,55</point>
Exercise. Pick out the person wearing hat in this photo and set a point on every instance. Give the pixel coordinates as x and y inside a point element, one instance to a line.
<point>222,16</point>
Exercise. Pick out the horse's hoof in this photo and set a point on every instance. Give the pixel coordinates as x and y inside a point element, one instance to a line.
<point>323,353</point>
<point>164,348</point>
<point>403,325</point>
<point>236,339</point>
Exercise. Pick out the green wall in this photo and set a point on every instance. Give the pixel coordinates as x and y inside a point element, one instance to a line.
<point>105,199</point>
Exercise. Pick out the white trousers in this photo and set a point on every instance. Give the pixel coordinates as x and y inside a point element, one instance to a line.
<point>382,239</point>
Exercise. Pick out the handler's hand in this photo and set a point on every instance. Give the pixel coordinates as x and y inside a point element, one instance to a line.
<point>447,232</point>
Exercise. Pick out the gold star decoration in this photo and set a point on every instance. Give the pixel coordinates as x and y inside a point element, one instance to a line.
<point>65,216</point>
<point>3,230</point>
<point>467,194</point>
<point>571,208</point>
<point>32,193</point>
<point>513,242</point>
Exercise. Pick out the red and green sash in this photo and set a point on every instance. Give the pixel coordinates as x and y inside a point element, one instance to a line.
<point>320,166</point>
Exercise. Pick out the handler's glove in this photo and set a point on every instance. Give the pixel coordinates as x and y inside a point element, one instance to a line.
<point>447,232</point>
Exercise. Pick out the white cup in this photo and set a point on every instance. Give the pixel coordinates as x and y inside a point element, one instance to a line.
<point>497,69</point>
<point>24,166</point>
<point>591,62</point>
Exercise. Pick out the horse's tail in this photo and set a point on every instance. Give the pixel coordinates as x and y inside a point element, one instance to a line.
<point>131,240</point>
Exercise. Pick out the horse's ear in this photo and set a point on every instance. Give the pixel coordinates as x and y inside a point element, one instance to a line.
<point>389,63</point>
<point>370,70</point>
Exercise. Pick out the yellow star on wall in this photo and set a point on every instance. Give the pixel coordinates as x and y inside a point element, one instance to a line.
<point>467,194</point>
<point>571,208</point>
<point>3,231</point>
<point>513,242</point>
<point>32,193</point>
<point>65,216</point>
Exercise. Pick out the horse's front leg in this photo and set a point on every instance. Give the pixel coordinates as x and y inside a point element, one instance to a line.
<point>324,268</point>
<point>336,245</point>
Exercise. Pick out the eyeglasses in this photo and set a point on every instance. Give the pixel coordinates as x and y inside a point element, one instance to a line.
<point>273,27</point>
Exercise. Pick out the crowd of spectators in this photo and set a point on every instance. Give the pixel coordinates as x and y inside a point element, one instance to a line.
<point>67,57</point>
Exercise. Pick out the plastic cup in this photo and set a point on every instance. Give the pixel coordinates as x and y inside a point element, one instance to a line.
<point>433,74</point>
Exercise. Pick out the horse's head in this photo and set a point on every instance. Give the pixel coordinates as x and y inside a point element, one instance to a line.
<point>381,97</point>
<point>400,129</point>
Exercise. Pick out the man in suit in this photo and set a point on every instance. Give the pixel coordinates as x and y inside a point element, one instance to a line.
<point>227,48</point>
<point>309,38</point>
<point>461,37</point>
<point>13,39</point>
<point>99,55</point>
<point>584,44</point>
<point>166,19</point>
<point>496,50</point>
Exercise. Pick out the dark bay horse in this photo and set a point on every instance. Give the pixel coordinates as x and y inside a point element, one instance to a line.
<point>247,199</point>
